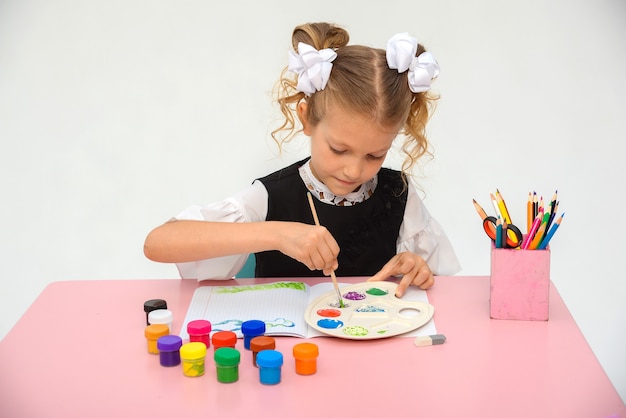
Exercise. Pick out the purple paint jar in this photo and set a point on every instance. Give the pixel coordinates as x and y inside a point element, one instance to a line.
<point>169,350</point>
<point>250,329</point>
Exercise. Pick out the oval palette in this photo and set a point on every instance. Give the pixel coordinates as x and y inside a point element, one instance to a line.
<point>371,311</point>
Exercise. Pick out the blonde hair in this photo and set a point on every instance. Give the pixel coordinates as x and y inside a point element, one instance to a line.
<point>361,82</point>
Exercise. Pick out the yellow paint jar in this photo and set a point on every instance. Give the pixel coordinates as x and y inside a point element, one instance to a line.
<point>152,333</point>
<point>192,356</point>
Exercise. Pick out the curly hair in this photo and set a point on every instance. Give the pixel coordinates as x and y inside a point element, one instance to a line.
<point>361,82</point>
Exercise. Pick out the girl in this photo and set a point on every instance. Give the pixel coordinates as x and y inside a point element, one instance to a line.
<point>352,101</point>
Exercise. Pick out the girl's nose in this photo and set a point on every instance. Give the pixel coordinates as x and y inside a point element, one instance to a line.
<point>353,169</point>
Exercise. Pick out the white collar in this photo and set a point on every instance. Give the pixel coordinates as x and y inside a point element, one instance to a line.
<point>324,194</point>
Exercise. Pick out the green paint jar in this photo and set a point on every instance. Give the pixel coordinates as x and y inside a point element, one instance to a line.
<point>227,364</point>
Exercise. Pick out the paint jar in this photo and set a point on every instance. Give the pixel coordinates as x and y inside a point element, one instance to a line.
<point>169,350</point>
<point>193,356</point>
<point>199,331</point>
<point>227,364</point>
<point>152,333</point>
<point>270,363</point>
<point>250,329</point>
<point>161,316</point>
<point>306,358</point>
<point>224,339</point>
<point>153,305</point>
<point>261,343</point>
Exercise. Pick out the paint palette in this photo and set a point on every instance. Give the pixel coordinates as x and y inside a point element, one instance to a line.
<point>371,311</point>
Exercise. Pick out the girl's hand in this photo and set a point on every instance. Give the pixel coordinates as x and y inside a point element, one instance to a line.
<point>413,269</point>
<point>311,245</point>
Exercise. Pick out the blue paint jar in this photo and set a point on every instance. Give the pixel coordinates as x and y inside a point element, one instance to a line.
<point>250,329</point>
<point>169,350</point>
<point>270,364</point>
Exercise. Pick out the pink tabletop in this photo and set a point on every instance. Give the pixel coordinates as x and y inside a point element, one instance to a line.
<point>80,351</point>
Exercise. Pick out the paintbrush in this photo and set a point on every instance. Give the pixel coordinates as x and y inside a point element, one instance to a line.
<point>332,273</point>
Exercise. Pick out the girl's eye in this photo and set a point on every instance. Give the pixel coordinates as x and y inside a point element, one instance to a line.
<point>336,151</point>
<point>375,157</point>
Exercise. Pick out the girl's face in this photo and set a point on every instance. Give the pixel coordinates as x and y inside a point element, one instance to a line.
<point>346,149</point>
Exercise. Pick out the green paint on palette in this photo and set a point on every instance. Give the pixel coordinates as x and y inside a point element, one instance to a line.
<point>355,331</point>
<point>374,291</point>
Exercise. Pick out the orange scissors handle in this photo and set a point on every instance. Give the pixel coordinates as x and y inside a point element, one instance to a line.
<point>513,234</point>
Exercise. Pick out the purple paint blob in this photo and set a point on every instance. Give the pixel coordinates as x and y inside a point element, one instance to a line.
<point>354,296</point>
<point>329,323</point>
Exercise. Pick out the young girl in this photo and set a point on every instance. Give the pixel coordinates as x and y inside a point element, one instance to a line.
<point>352,101</point>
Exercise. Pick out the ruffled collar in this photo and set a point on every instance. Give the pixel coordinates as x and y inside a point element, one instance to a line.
<point>324,194</point>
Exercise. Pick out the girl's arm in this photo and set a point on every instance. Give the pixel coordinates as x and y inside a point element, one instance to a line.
<point>186,240</point>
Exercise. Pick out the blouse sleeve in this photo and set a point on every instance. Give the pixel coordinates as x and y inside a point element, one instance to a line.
<point>249,205</point>
<point>421,234</point>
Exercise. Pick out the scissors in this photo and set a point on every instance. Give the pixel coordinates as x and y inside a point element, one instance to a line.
<point>514,236</point>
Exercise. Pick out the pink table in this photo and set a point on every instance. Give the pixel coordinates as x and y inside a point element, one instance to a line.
<point>79,351</point>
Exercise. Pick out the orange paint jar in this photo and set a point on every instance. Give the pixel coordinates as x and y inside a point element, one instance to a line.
<point>306,358</point>
<point>152,333</point>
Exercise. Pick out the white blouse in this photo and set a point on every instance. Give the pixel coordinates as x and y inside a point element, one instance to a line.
<point>420,233</point>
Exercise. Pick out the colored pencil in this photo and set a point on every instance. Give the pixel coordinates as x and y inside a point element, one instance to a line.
<point>502,205</point>
<point>494,202</point>
<point>544,221</point>
<point>552,215</point>
<point>499,233</point>
<point>531,234</point>
<point>332,273</point>
<point>550,234</point>
<point>505,232</point>
<point>538,236</point>
<point>535,205</point>
<point>480,210</point>
<point>529,212</point>
<point>553,201</point>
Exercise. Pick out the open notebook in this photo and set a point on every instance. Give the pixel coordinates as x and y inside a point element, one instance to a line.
<point>281,305</point>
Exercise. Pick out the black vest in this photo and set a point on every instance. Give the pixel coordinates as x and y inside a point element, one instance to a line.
<point>366,232</point>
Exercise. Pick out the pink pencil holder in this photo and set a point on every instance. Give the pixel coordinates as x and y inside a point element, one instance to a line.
<point>520,284</point>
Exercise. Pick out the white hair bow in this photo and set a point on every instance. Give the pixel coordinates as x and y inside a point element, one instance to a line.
<point>401,49</point>
<point>312,66</point>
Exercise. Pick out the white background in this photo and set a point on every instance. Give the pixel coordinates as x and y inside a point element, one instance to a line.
<point>115,115</point>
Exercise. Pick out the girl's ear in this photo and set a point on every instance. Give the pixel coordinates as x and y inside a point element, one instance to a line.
<point>302,115</point>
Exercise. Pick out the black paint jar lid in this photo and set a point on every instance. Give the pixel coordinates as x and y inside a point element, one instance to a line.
<point>154,304</point>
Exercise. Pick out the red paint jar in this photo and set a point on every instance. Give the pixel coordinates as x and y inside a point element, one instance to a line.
<point>224,339</point>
